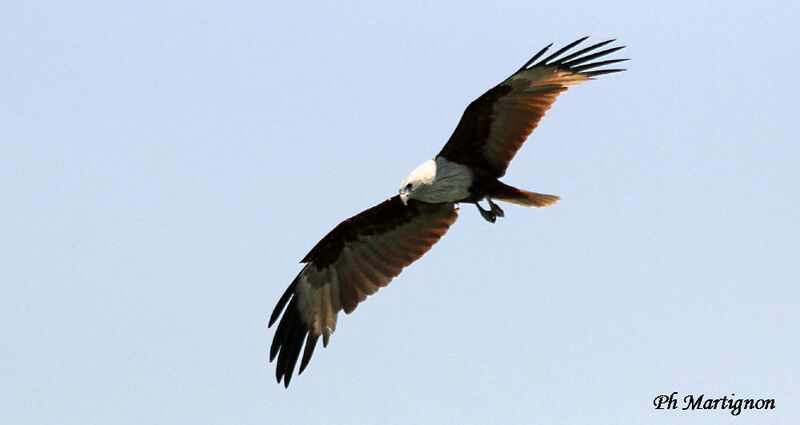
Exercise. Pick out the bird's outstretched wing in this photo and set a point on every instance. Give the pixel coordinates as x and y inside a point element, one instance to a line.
<point>495,125</point>
<point>357,257</point>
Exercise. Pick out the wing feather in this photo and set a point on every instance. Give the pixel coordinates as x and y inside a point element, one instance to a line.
<point>354,260</point>
<point>495,125</point>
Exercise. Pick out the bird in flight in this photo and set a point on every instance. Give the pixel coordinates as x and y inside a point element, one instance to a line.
<point>366,251</point>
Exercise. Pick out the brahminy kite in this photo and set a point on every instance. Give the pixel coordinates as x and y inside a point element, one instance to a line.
<point>364,252</point>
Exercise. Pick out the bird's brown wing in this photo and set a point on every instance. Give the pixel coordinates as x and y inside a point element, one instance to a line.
<point>354,260</point>
<point>495,125</point>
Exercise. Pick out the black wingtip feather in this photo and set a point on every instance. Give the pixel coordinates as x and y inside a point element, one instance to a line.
<point>579,61</point>
<point>604,71</point>
<point>563,49</point>
<point>588,66</point>
<point>282,303</point>
<point>593,56</point>
<point>536,56</point>
<point>311,343</point>
<point>584,50</point>
<point>289,337</point>
<point>288,341</point>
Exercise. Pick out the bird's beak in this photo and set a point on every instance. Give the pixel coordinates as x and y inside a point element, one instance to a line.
<point>404,198</point>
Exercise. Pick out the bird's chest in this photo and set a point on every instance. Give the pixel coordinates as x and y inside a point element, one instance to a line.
<point>450,184</point>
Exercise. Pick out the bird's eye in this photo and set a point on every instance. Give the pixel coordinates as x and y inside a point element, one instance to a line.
<point>408,186</point>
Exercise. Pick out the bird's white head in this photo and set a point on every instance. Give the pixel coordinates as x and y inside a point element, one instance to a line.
<point>416,183</point>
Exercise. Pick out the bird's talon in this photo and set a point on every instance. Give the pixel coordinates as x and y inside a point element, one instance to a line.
<point>487,215</point>
<point>496,210</point>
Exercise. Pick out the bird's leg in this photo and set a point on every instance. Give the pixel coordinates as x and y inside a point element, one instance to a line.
<point>496,210</point>
<point>487,215</point>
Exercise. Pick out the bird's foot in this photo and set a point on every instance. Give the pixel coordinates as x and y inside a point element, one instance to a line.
<point>491,214</point>
<point>487,215</point>
<point>496,210</point>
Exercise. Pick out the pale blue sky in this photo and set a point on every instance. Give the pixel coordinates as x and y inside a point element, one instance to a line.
<point>165,166</point>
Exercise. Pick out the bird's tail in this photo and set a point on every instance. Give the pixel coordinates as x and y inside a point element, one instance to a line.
<point>523,197</point>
